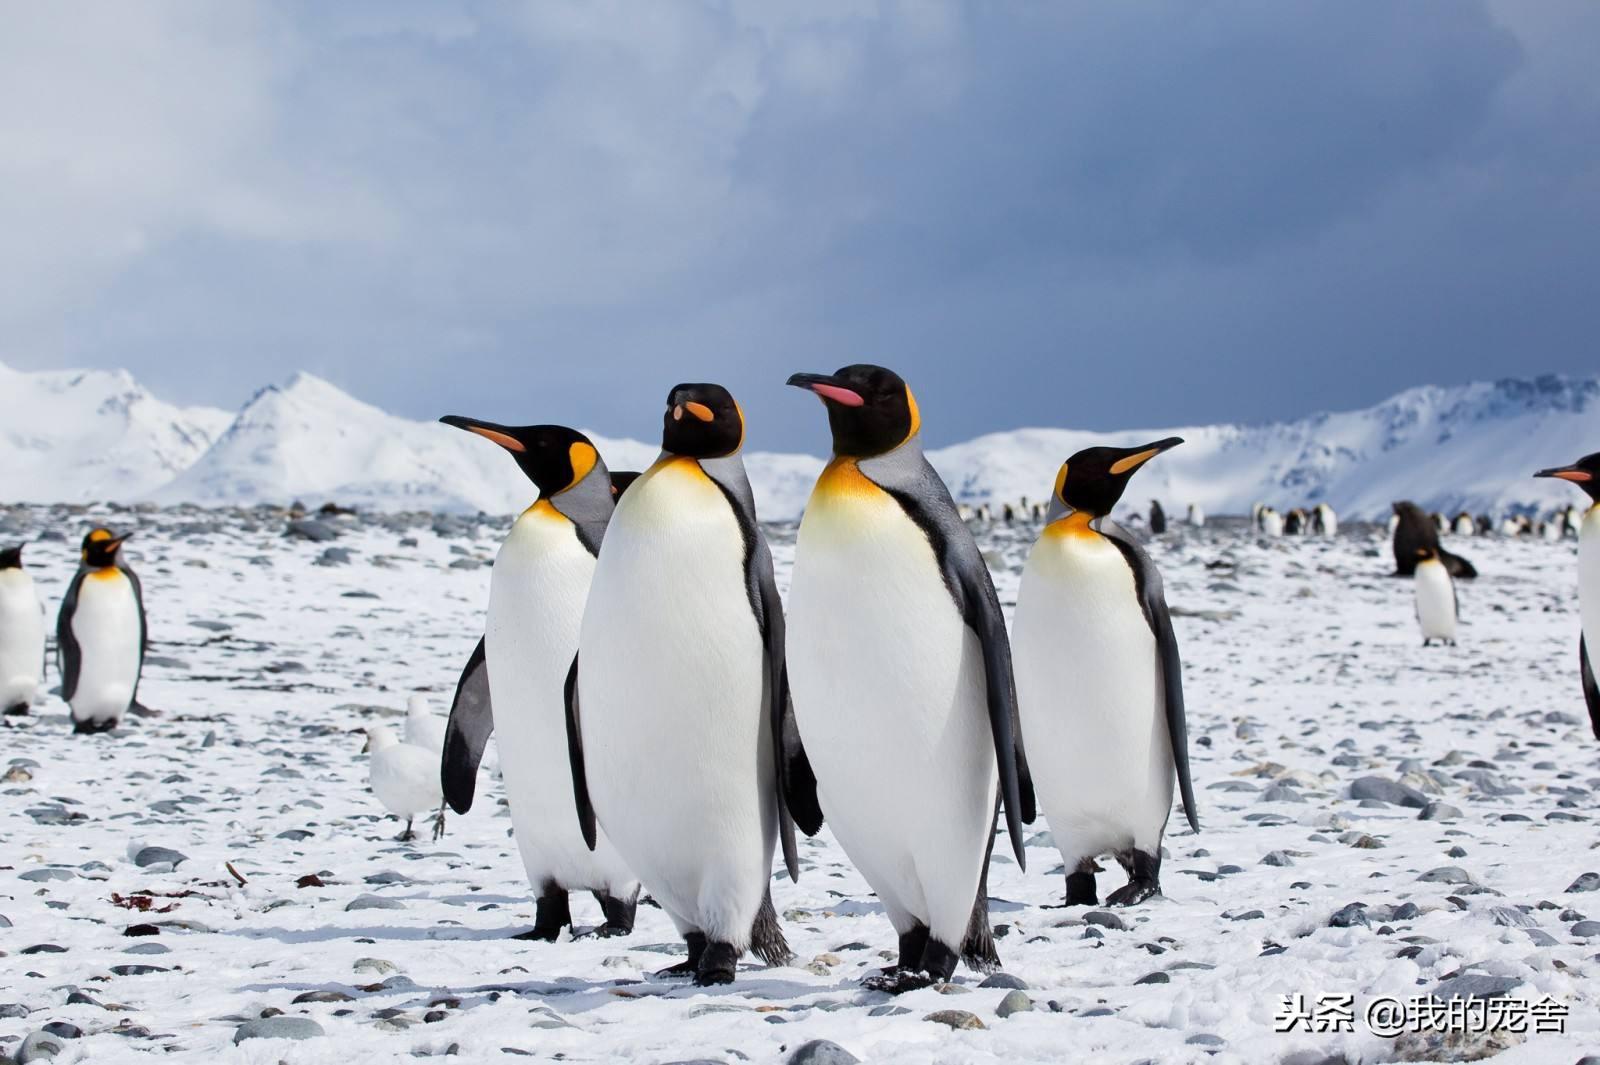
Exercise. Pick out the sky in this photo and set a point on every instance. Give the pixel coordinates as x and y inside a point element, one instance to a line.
<point>1090,215</point>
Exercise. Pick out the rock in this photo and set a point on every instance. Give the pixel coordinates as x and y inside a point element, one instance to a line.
<point>1586,882</point>
<point>373,902</point>
<point>1439,811</point>
<point>62,1030</point>
<point>822,1052</point>
<point>1005,980</point>
<point>1389,791</point>
<point>332,556</point>
<point>957,1019</point>
<point>40,876</point>
<point>1105,919</point>
<point>375,965</point>
<point>320,996</point>
<point>1154,978</point>
<point>1446,874</point>
<point>888,1009</point>
<point>1277,858</point>
<point>1476,985</point>
<point>1014,1002</point>
<point>1585,929</point>
<point>1459,1045</point>
<point>10,1011</point>
<point>44,948</point>
<point>311,529</point>
<point>280,1027</point>
<point>149,856</point>
<point>1351,916</point>
<point>39,1046</point>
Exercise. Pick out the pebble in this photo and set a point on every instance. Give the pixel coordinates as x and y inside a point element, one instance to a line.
<point>279,1027</point>
<point>1586,882</point>
<point>1006,980</point>
<point>1013,1002</point>
<point>373,902</point>
<point>148,856</point>
<point>1382,789</point>
<point>957,1019</point>
<point>823,1052</point>
<point>1104,919</point>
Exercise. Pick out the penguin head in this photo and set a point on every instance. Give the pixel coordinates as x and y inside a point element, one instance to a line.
<point>1585,473</point>
<point>100,548</point>
<point>553,457</point>
<point>702,422</point>
<point>1093,480</point>
<point>11,558</point>
<point>870,409</point>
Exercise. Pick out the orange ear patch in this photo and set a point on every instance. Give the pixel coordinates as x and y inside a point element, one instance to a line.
<point>99,535</point>
<point>916,415</point>
<point>583,457</point>
<point>1061,483</point>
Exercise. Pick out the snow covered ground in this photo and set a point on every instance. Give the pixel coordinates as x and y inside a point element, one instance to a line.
<point>1304,672</point>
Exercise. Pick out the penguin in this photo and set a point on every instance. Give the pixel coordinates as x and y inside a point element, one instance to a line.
<point>1257,509</point>
<point>1394,523</point>
<point>101,636</point>
<point>1272,523</point>
<point>1008,515</point>
<point>984,516</point>
<point>1485,525</point>
<point>1510,526</point>
<point>1413,529</point>
<point>1325,520</point>
<point>405,779</point>
<point>676,700</point>
<point>1574,522</point>
<point>513,681</point>
<point>1440,524</point>
<point>1158,518</point>
<point>902,682</point>
<point>1197,515</point>
<point>1464,525</point>
<point>21,635</point>
<point>1100,681</point>
<point>1437,606</point>
<point>1294,523</point>
<point>1585,473</point>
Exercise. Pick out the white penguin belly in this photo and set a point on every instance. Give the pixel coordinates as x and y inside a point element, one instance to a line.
<point>1436,601</point>
<point>889,696</point>
<point>1589,585</point>
<point>670,683</point>
<point>1090,698</point>
<point>536,596</point>
<point>106,626</point>
<point>21,639</point>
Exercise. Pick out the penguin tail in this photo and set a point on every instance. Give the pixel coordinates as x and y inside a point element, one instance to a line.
<point>977,946</point>
<point>766,935</point>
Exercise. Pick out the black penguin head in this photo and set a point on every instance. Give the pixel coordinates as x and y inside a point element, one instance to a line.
<point>702,422</point>
<point>100,548</point>
<point>1093,480</point>
<point>1585,473</point>
<point>11,558</point>
<point>870,409</point>
<point>553,457</point>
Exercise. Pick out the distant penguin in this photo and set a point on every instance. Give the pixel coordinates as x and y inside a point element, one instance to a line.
<point>1037,513</point>
<point>1550,530</point>
<point>1464,525</point>
<point>1324,521</point>
<point>677,702</point>
<point>1485,524</point>
<point>405,778</point>
<point>1510,526</point>
<point>1256,512</point>
<point>512,684</point>
<point>984,517</point>
<point>1272,523</point>
<point>1294,522</point>
<point>1585,473</point>
<point>1437,608</point>
<point>1441,524</point>
<point>1009,514</point>
<point>901,672</point>
<point>1099,681</point>
<point>1158,518</point>
<point>1574,522</point>
<point>1413,529</point>
<point>21,634</point>
<point>101,636</point>
<point>1197,515</point>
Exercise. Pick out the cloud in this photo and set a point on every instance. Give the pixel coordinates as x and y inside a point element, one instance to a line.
<point>1057,214</point>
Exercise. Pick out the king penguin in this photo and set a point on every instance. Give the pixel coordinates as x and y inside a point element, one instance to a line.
<point>676,699</point>
<point>1099,681</point>
<point>901,673</point>
<point>1585,473</point>
<point>101,635</point>
<point>21,634</point>
<point>512,683</point>
<point>1437,605</point>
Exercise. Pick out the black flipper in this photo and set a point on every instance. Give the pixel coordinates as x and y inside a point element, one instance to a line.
<point>1153,600</point>
<point>1591,691</point>
<point>580,777</point>
<point>69,657</point>
<point>467,732</point>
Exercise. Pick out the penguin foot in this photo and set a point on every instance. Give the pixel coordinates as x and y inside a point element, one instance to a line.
<point>536,933</point>
<point>438,824</point>
<point>619,914</point>
<point>550,915</point>
<point>897,981</point>
<point>717,965</point>
<point>90,728</point>
<point>1081,890</point>
<point>17,710</point>
<point>1133,892</point>
<point>691,965</point>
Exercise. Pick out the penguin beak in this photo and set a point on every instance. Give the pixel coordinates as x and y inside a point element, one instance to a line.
<point>115,544</point>
<point>1137,457</point>
<point>499,434</point>
<point>1568,473</point>
<point>828,388</point>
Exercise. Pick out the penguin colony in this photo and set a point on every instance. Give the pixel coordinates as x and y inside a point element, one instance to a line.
<point>665,725</point>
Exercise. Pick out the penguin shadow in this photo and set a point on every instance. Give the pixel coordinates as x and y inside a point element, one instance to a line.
<point>435,933</point>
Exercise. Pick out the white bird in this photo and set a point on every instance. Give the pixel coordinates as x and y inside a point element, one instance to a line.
<point>424,728</point>
<point>21,635</point>
<point>405,778</point>
<point>1437,607</point>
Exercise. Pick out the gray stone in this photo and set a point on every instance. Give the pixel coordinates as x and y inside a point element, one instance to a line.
<point>1013,1002</point>
<point>822,1052</point>
<point>311,529</point>
<point>1586,882</point>
<point>957,1019</point>
<point>39,1046</point>
<point>1350,916</point>
<point>1105,919</point>
<point>1382,789</point>
<point>1477,985</point>
<point>1439,811</point>
<point>40,876</point>
<point>373,902</point>
<point>280,1027</point>
<point>149,856</point>
<point>1585,929</point>
<point>1006,980</point>
<point>1446,874</point>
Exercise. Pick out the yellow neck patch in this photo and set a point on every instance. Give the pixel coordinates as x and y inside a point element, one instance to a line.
<point>543,508</point>
<point>105,573</point>
<point>1061,483</point>
<point>842,478</point>
<point>1074,524</point>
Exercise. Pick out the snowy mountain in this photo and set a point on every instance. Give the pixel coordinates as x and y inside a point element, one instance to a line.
<point>87,435</point>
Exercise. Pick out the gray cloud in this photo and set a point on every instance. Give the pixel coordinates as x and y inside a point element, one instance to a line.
<point>1080,214</point>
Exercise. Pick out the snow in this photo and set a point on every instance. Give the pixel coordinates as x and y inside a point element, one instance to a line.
<point>82,436</point>
<point>1304,673</point>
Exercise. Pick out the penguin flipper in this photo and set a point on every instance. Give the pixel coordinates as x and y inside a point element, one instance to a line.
<point>1591,691</point>
<point>467,732</point>
<point>69,657</point>
<point>144,628</point>
<point>580,776</point>
<point>1153,601</point>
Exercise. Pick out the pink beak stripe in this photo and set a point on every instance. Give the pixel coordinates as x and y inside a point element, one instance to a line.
<point>842,396</point>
